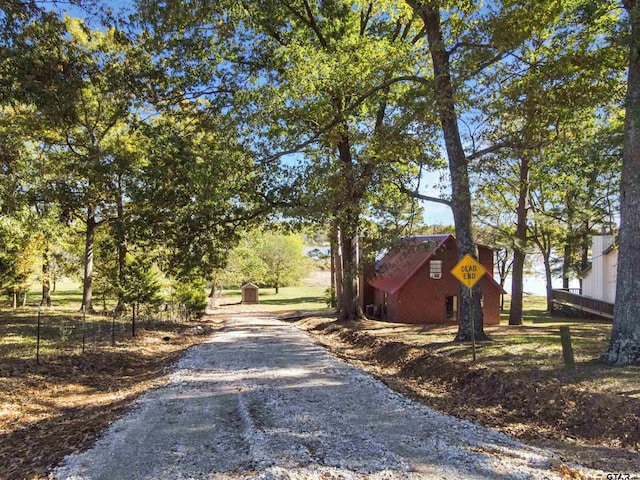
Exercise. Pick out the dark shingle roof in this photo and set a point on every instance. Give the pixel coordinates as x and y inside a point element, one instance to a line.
<point>405,260</point>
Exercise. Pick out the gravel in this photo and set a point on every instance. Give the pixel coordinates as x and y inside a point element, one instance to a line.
<point>259,400</point>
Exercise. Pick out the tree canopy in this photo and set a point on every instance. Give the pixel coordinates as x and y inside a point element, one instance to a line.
<point>172,128</point>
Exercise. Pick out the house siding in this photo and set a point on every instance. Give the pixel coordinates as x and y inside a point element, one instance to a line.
<point>485,257</point>
<point>422,300</point>
<point>600,283</point>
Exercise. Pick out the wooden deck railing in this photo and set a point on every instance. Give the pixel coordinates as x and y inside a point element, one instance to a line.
<point>586,304</point>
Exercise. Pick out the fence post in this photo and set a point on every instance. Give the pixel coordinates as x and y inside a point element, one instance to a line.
<point>567,350</point>
<point>38,338</point>
<point>84,319</point>
<point>113,327</point>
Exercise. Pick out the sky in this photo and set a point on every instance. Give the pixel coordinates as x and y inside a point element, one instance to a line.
<point>435,213</point>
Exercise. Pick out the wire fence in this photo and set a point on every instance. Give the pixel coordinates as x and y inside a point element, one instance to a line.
<point>78,332</point>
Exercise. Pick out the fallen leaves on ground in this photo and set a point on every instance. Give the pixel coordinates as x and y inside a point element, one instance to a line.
<point>581,421</point>
<point>50,410</point>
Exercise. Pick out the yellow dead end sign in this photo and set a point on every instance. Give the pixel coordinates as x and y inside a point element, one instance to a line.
<point>468,271</point>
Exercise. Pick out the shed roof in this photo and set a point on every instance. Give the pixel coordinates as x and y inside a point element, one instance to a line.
<point>403,261</point>
<point>250,285</point>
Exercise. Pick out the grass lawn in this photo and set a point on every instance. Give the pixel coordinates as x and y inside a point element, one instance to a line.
<point>306,298</point>
<point>531,348</point>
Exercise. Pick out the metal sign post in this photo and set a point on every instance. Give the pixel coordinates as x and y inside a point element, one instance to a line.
<point>473,330</point>
<point>469,271</point>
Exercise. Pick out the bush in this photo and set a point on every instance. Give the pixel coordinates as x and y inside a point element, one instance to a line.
<point>191,295</point>
<point>141,283</point>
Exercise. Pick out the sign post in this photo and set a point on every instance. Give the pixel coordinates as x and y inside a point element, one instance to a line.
<point>469,271</point>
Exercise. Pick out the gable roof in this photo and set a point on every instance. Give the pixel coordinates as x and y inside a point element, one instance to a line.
<point>405,260</point>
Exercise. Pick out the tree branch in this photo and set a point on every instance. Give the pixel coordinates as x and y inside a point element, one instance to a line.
<point>419,35</point>
<point>309,21</point>
<point>459,45</point>
<point>427,198</point>
<point>485,151</point>
<point>358,101</point>
<point>364,19</point>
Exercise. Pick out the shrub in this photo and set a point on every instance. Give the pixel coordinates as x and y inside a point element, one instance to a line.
<point>191,295</point>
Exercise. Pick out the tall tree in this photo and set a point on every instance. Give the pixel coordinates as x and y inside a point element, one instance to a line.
<point>88,151</point>
<point>316,81</point>
<point>445,100</point>
<point>536,97</point>
<point>624,347</point>
<point>196,191</point>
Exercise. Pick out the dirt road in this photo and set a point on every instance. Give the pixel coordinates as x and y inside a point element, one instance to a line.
<point>261,400</point>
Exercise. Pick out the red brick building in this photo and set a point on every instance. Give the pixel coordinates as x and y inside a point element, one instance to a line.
<point>413,283</point>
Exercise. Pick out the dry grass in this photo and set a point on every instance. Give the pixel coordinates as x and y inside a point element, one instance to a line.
<point>50,410</point>
<point>529,349</point>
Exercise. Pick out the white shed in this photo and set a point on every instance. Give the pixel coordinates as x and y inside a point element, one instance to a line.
<point>600,280</point>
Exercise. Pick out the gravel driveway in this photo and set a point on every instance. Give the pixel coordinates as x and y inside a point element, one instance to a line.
<point>261,400</point>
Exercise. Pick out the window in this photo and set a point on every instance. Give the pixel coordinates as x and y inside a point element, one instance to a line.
<point>435,269</point>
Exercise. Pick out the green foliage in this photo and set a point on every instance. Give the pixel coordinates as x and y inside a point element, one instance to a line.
<point>176,136</point>
<point>197,188</point>
<point>18,256</point>
<point>330,297</point>
<point>554,109</point>
<point>38,67</point>
<point>141,285</point>
<point>268,259</point>
<point>284,258</point>
<point>191,295</point>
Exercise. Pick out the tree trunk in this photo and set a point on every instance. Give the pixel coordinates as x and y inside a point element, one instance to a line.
<point>46,278</point>
<point>332,292</point>
<point>503,271</point>
<point>349,216</point>
<point>566,265</point>
<point>547,273</point>
<point>584,261</point>
<point>519,251</point>
<point>624,348</point>
<point>122,246</point>
<point>277,291</point>
<point>470,312</point>
<point>87,287</point>
<point>517,278</point>
<point>349,303</point>
<point>569,244</point>
<point>15,300</point>
<point>338,267</point>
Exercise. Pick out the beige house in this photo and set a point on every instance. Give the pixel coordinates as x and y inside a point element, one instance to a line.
<point>600,278</point>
